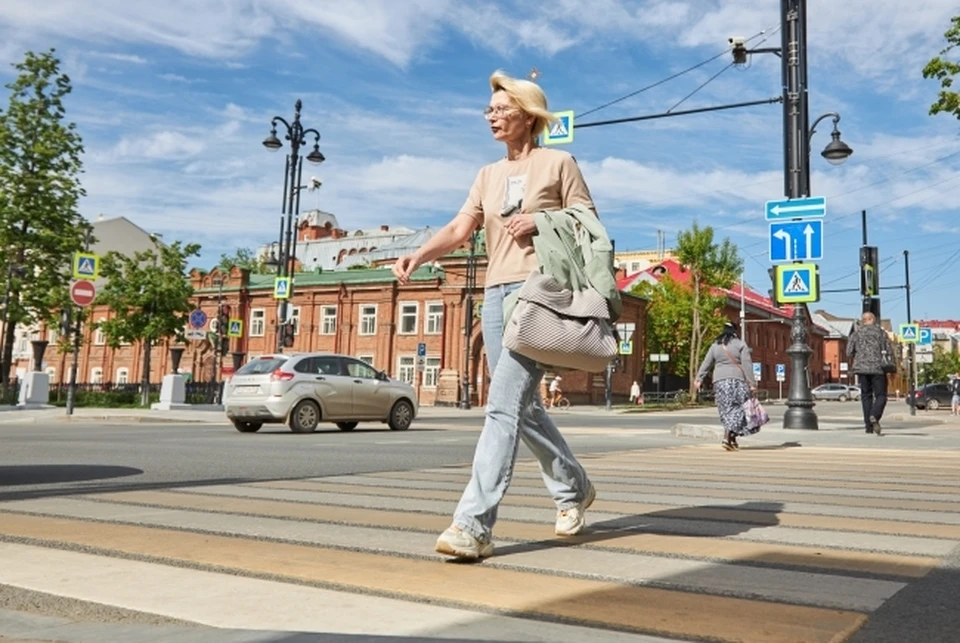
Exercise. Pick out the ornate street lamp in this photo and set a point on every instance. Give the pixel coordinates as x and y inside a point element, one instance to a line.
<point>293,172</point>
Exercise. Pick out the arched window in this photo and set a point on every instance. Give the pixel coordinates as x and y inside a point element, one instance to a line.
<point>123,376</point>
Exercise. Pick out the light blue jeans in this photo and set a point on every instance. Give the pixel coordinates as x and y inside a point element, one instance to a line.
<point>514,412</point>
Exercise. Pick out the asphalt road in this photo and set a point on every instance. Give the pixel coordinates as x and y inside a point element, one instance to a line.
<point>56,468</point>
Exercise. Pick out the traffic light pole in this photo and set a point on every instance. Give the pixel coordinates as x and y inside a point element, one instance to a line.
<point>912,353</point>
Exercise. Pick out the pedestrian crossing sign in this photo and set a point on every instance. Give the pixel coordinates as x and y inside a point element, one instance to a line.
<point>235,328</point>
<point>86,265</point>
<point>797,283</point>
<point>910,333</point>
<point>281,288</point>
<point>559,131</point>
<point>626,348</point>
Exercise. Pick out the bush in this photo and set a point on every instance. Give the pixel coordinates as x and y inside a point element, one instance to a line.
<point>116,399</point>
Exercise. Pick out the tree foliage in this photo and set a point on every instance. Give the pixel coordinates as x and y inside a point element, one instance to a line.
<point>670,319</point>
<point>148,293</point>
<point>40,163</point>
<point>243,258</point>
<point>711,265</point>
<point>944,69</point>
<point>944,366</point>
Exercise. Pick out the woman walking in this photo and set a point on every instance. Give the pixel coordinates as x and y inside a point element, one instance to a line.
<point>503,199</point>
<point>733,383</point>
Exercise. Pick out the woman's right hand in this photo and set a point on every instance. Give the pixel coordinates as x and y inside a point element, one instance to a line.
<point>696,384</point>
<point>404,267</point>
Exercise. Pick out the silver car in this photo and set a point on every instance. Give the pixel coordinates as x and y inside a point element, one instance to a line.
<point>840,392</point>
<point>304,390</point>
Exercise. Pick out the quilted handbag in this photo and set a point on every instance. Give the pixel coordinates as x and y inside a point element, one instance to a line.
<point>561,328</point>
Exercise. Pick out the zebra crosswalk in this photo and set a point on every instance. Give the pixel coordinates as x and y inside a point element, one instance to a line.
<point>772,545</point>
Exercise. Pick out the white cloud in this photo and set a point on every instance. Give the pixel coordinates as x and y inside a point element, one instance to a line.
<point>175,78</point>
<point>125,58</point>
<point>168,146</point>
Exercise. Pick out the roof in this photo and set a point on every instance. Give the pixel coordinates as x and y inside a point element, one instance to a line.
<point>337,277</point>
<point>392,250</point>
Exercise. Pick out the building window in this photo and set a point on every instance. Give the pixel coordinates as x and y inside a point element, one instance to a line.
<point>368,319</point>
<point>23,343</point>
<point>96,375</point>
<point>51,373</point>
<point>431,372</point>
<point>52,336</point>
<point>407,370</point>
<point>434,318</point>
<point>328,320</point>
<point>408,318</point>
<point>123,376</point>
<point>257,316</point>
<point>295,319</point>
<point>368,359</point>
<point>99,338</point>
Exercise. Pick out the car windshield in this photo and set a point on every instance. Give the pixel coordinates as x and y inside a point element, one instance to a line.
<point>262,366</point>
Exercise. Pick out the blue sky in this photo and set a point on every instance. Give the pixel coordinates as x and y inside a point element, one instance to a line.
<point>173,99</point>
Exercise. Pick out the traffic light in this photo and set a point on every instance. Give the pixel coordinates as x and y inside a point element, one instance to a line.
<point>66,321</point>
<point>773,291</point>
<point>869,272</point>
<point>286,333</point>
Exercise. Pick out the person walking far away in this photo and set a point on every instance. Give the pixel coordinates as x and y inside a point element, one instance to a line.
<point>733,383</point>
<point>955,390</point>
<point>555,392</point>
<point>635,393</point>
<point>503,199</point>
<point>870,348</point>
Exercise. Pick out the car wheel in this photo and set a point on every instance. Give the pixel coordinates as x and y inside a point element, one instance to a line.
<point>842,398</point>
<point>347,426</point>
<point>305,417</point>
<point>933,404</point>
<point>401,415</point>
<point>247,427</point>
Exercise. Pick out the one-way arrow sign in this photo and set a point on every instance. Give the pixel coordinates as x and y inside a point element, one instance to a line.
<point>796,241</point>
<point>814,206</point>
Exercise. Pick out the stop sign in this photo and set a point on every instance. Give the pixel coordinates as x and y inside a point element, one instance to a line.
<point>83,292</point>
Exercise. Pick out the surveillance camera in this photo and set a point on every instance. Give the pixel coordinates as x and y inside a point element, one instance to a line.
<point>737,41</point>
<point>315,183</point>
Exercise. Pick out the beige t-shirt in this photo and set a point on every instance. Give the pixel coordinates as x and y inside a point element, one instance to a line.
<point>548,179</point>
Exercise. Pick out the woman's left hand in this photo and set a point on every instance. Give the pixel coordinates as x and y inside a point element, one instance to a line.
<point>521,225</point>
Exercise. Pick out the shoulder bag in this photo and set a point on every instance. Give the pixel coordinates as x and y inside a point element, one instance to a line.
<point>756,415</point>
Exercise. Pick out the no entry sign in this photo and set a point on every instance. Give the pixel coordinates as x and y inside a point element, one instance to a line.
<point>83,292</point>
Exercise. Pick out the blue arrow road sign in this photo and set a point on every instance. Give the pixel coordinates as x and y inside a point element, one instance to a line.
<point>814,206</point>
<point>796,240</point>
<point>926,336</point>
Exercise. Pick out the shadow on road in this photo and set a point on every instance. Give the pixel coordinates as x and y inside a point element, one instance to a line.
<point>771,447</point>
<point>761,514</point>
<point>28,474</point>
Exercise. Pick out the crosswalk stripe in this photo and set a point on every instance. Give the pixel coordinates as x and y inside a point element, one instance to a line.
<point>790,545</point>
<point>591,602</point>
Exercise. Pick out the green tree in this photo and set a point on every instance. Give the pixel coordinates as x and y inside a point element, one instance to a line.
<point>40,225</point>
<point>710,265</point>
<point>243,258</point>
<point>944,69</point>
<point>149,295</point>
<point>944,365</point>
<point>670,319</point>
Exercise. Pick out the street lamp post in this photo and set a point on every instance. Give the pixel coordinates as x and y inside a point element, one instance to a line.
<point>796,138</point>
<point>293,172</point>
<point>471,285</point>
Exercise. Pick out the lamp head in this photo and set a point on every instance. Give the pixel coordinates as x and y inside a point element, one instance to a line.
<point>836,151</point>
<point>272,143</point>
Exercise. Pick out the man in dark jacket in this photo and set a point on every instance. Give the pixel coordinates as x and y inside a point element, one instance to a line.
<point>867,346</point>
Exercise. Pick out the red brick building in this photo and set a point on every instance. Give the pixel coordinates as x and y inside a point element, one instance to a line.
<point>362,312</point>
<point>767,327</point>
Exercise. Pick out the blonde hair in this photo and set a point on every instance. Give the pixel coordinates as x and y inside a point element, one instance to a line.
<point>527,95</point>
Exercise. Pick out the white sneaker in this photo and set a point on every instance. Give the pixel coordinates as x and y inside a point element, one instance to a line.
<point>459,544</point>
<point>571,522</point>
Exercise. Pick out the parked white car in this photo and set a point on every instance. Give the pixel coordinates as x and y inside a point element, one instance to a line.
<point>306,389</point>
